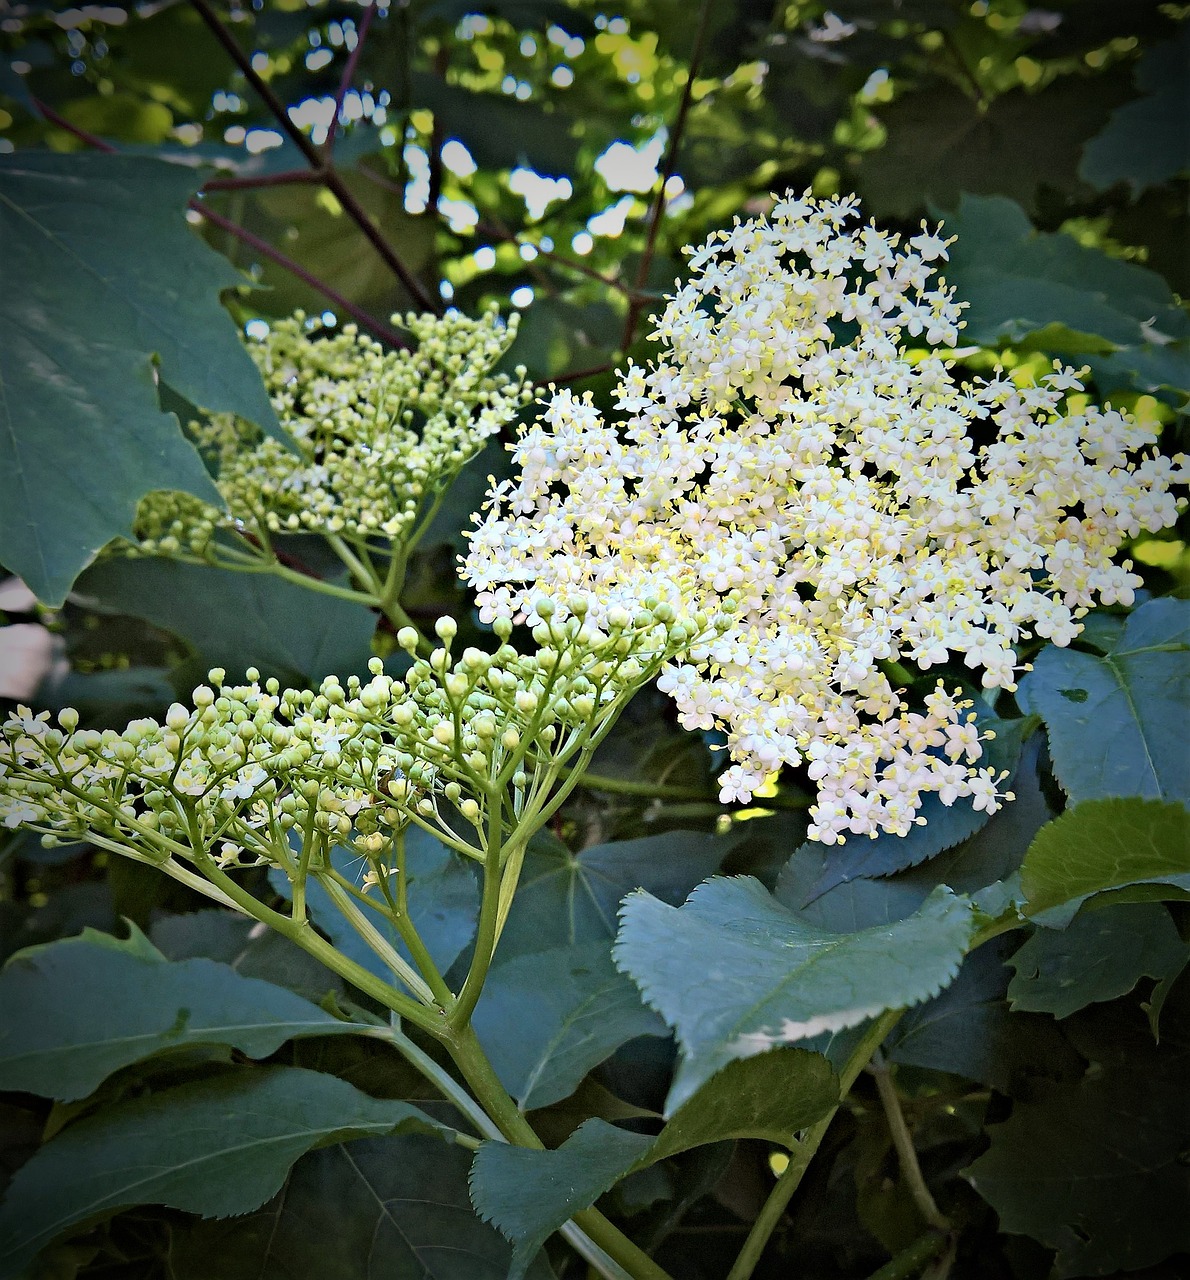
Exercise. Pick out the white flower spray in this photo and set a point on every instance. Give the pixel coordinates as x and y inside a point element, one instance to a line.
<point>801,457</point>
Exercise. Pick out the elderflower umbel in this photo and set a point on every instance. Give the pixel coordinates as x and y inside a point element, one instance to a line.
<point>253,774</point>
<point>379,435</point>
<point>853,504</point>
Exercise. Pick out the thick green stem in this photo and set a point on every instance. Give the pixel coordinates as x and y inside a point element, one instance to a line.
<point>471,1060</point>
<point>804,1152</point>
<point>903,1141</point>
<point>487,930</point>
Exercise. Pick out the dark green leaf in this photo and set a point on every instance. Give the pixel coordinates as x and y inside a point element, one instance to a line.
<point>103,278</point>
<point>75,1011</point>
<point>279,627</point>
<point>214,1147</point>
<point>1020,282</point>
<point>548,1018</point>
<point>375,1209</point>
<point>1102,845</point>
<point>1116,721</point>
<point>566,898</point>
<point>1098,956</point>
<point>771,1096</point>
<point>1096,1168</point>
<point>498,130</point>
<point>736,973</point>
<point>980,150</point>
<point>969,1031</point>
<point>529,1194</point>
<point>1147,141</point>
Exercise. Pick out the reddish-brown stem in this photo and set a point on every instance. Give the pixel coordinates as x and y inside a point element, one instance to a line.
<point>636,298</point>
<point>260,87</point>
<point>577,375</point>
<point>499,233</point>
<point>328,176</point>
<point>266,250</point>
<point>262,247</point>
<point>81,134</point>
<point>348,76</point>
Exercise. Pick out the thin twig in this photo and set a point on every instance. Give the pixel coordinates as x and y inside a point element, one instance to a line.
<point>345,83</point>
<point>500,233</point>
<point>636,299</point>
<point>903,1142</point>
<point>259,85</point>
<point>81,134</point>
<point>577,375</point>
<point>328,176</point>
<point>266,250</point>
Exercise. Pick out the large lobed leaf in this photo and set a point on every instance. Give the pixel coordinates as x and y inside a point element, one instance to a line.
<point>214,1147</point>
<point>102,277</point>
<point>74,1011</point>
<point>735,972</point>
<point>1116,720</point>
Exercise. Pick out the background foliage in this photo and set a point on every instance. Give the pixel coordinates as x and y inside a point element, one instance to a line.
<point>553,157</point>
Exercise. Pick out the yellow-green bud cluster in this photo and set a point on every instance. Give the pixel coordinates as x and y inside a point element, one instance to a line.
<point>251,772</point>
<point>379,434</point>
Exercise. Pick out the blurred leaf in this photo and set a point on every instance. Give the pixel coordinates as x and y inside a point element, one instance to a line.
<point>547,1018</point>
<point>1147,141</point>
<point>529,1194</point>
<point>1116,721</point>
<point>1098,956</point>
<point>375,1209</point>
<point>309,225</point>
<point>236,620</point>
<point>1095,1168</point>
<point>77,1010</point>
<point>121,115</point>
<point>500,131</point>
<point>443,904</point>
<point>1059,295</point>
<point>214,1147</point>
<point>104,278</point>
<point>567,898</point>
<point>1018,143</point>
<point>1101,845</point>
<point>736,973</point>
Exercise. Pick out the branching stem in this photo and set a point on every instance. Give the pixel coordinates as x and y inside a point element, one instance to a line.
<point>903,1142</point>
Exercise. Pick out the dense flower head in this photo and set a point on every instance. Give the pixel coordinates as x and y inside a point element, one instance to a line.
<point>251,771</point>
<point>802,455</point>
<point>379,435</point>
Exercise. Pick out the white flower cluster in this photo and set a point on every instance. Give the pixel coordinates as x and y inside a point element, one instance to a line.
<point>230,780</point>
<point>799,454</point>
<point>379,435</point>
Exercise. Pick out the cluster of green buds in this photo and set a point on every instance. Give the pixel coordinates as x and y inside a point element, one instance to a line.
<point>472,747</point>
<point>379,435</point>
